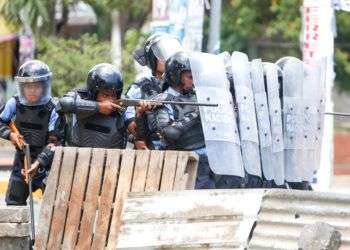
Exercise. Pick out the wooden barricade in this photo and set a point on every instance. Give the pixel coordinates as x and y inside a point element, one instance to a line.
<point>84,195</point>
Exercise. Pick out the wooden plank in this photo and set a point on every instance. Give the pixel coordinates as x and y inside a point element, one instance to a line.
<point>124,185</point>
<point>176,234</point>
<point>90,203</point>
<point>199,205</point>
<point>77,197</point>
<point>169,171</point>
<point>106,199</point>
<point>181,177</point>
<point>191,170</point>
<point>14,230</point>
<point>14,214</point>
<point>140,170</point>
<point>46,209</point>
<point>154,171</point>
<point>62,197</point>
<point>177,219</point>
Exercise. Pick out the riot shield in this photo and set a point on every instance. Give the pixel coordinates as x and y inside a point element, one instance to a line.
<point>246,113</point>
<point>310,103</point>
<point>320,109</point>
<point>263,120</point>
<point>292,117</point>
<point>219,123</point>
<point>271,72</point>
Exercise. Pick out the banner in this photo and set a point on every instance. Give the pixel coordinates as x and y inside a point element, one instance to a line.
<point>180,18</point>
<point>317,36</point>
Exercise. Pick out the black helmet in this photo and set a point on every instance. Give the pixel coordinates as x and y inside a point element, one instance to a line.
<point>34,72</point>
<point>157,46</point>
<point>174,66</point>
<point>104,76</point>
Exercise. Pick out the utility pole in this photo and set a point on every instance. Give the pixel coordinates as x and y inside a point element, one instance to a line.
<point>318,49</point>
<point>214,27</point>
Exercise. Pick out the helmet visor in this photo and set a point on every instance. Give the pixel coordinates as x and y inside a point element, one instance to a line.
<point>34,93</point>
<point>166,47</point>
<point>27,79</point>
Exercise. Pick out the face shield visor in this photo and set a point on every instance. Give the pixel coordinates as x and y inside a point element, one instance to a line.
<point>166,47</point>
<point>35,90</point>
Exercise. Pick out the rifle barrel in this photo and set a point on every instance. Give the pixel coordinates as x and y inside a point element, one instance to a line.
<point>337,113</point>
<point>190,103</point>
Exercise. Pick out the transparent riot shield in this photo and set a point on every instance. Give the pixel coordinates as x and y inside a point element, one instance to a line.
<point>311,79</point>
<point>219,123</point>
<point>246,113</point>
<point>292,117</point>
<point>271,72</point>
<point>263,120</point>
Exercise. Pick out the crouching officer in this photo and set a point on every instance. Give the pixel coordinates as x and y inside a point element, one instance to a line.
<point>180,126</point>
<point>94,118</point>
<point>33,113</point>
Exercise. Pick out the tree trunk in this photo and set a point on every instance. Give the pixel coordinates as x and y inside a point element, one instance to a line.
<point>116,45</point>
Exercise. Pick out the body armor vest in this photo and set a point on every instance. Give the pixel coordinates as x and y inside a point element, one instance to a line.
<point>33,122</point>
<point>99,131</point>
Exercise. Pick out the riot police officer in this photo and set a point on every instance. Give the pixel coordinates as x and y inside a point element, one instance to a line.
<point>180,125</point>
<point>33,112</point>
<point>157,49</point>
<point>94,118</point>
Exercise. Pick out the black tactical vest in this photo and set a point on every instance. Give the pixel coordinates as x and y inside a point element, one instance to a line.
<point>99,131</point>
<point>192,138</point>
<point>33,122</point>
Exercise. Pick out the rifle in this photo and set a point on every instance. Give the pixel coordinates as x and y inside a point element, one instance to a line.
<point>27,177</point>
<point>135,102</point>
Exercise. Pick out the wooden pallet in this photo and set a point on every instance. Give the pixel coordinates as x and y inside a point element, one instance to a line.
<point>84,196</point>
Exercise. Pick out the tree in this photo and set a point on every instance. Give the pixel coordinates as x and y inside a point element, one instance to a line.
<point>270,29</point>
<point>71,59</point>
<point>38,14</point>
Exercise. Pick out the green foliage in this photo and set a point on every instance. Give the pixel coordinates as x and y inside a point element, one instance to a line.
<point>248,25</point>
<point>34,12</point>
<point>33,9</point>
<point>342,69</point>
<point>133,39</point>
<point>342,52</point>
<point>71,59</point>
<point>270,29</point>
